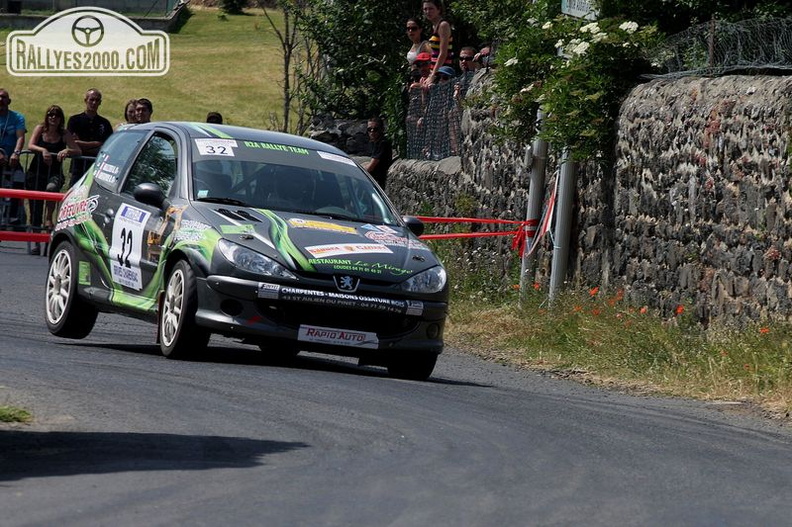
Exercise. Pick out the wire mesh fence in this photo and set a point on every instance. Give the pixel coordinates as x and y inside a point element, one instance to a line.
<point>719,47</point>
<point>434,117</point>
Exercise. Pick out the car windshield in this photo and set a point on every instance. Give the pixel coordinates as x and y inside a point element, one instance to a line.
<point>314,183</point>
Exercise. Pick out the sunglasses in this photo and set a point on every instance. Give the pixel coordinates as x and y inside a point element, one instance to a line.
<point>467,59</point>
<point>372,129</point>
<point>53,114</point>
<point>413,28</point>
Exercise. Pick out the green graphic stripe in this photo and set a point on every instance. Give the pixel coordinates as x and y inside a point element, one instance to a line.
<point>279,233</point>
<point>211,130</point>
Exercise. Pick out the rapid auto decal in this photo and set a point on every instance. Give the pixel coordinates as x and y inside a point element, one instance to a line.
<point>127,245</point>
<point>338,337</point>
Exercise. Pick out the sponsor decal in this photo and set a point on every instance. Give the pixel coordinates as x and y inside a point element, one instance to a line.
<point>335,249</point>
<point>244,228</point>
<point>107,172</point>
<point>76,208</point>
<point>191,231</point>
<point>320,225</point>
<point>344,264</point>
<point>87,41</point>
<point>84,273</point>
<point>345,300</point>
<point>338,337</point>
<point>387,239</point>
<point>335,157</point>
<point>216,147</point>
<point>379,228</point>
<point>268,291</point>
<point>280,148</point>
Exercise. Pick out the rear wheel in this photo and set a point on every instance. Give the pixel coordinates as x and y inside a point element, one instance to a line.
<point>179,336</point>
<point>67,314</point>
<point>412,366</point>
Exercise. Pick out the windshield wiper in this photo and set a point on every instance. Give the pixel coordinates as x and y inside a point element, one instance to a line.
<point>225,201</point>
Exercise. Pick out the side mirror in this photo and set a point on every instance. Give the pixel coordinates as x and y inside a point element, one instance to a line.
<point>415,225</point>
<point>150,194</point>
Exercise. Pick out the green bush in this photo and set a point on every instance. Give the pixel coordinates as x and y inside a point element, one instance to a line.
<point>233,7</point>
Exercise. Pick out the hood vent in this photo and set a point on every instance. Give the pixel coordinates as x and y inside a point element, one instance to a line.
<point>229,214</point>
<point>248,216</point>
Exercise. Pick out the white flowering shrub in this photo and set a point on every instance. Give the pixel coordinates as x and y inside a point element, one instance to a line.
<point>579,71</point>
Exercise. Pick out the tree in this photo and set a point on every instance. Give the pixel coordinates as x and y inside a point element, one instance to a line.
<point>294,47</point>
<point>362,46</point>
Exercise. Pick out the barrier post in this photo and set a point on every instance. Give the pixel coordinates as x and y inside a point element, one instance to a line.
<point>538,164</point>
<point>563,227</point>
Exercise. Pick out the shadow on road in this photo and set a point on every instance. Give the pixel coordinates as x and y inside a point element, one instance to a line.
<point>246,355</point>
<point>38,454</point>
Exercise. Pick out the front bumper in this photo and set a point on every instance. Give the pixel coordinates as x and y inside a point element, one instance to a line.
<point>319,320</point>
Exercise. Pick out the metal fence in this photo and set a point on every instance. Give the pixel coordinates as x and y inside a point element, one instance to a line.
<point>434,116</point>
<point>718,47</point>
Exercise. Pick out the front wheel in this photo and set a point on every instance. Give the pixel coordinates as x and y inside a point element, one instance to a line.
<point>179,336</point>
<point>67,314</point>
<point>412,366</point>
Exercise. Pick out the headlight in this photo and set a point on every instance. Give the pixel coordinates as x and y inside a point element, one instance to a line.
<point>252,261</point>
<point>430,281</point>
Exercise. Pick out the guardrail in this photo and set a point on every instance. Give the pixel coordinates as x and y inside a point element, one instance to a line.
<point>28,234</point>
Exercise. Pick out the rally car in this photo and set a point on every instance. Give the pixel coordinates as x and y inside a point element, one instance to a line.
<point>269,238</point>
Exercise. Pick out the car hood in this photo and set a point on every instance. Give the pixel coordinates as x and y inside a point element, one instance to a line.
<point>319,244</point>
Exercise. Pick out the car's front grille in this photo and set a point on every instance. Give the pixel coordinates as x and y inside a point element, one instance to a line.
<point>294,314</point>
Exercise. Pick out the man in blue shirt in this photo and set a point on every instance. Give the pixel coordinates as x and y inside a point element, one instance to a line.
<point>12,132</point>
<point>12,141</point>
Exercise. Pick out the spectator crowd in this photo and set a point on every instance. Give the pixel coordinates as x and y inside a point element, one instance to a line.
<point>439,77</point>
<point>54,140</point>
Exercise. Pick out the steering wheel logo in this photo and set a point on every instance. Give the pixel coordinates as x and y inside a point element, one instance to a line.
<point>88,31</point>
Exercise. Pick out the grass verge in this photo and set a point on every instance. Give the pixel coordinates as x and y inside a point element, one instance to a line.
<point>597,338</point>
<point>10,414</point>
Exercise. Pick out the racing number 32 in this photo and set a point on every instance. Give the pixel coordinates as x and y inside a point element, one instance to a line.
<point>126,248</point>
<point>127,245</point>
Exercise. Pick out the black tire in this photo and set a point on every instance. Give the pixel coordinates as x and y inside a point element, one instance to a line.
<point>412,366</point>
<point>179,336</point>
<point>67,314</point>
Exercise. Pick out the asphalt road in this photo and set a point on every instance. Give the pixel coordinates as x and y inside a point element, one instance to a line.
<point>125,437</point>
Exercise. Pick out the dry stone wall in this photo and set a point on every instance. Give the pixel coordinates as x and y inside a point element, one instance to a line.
<point>702,199</point>
<point>695,210</point>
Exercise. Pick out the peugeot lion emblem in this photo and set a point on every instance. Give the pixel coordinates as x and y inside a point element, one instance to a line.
<point>346,283</point>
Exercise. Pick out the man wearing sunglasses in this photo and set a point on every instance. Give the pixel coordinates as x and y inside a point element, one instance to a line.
<point>381,151</point>
<point>467,59</point>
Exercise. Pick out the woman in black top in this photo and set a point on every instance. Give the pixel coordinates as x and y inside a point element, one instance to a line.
<point>50,143</point>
